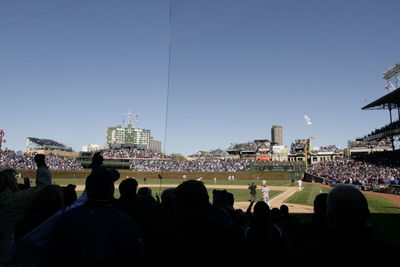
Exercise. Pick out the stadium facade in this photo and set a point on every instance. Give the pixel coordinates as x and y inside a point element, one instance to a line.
<point>390,102</point>
<point>302,150</point>
<point>361,147</point>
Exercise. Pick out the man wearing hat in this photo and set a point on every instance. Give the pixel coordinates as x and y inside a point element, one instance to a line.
<point>95,233</point>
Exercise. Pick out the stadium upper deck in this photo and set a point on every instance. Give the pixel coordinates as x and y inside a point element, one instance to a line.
<point>390,101</point>
<point>33,143</point>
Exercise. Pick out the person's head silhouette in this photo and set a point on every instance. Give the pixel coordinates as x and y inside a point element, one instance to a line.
<point>40,160</point>
<point>97,160</point>
<point>347,208</point>
<point>128,187</point>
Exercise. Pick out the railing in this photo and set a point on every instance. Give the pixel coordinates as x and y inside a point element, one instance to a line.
<point>382,135</point>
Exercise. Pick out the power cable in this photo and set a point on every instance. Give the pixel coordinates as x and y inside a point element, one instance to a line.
<point>44,13</point>
<point>168,79</point>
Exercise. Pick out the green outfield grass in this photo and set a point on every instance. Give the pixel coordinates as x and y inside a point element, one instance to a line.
<point>240,195</point>
<point>377,204</point>
<point>307,195</point>
<point>243,195</point>
<point>385,215</point>
<point>178,181</point>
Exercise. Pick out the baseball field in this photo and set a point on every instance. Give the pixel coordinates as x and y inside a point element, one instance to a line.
<point>385,208</point>
<point>282,192</point>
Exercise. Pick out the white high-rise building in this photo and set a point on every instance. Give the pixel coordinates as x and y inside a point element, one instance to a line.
<point>91,148</point>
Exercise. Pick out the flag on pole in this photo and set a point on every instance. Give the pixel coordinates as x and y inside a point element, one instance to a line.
<point>307,120</point>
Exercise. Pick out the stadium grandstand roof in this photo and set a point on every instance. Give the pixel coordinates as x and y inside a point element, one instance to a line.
<point>390,100</point>
<point>44,142</point>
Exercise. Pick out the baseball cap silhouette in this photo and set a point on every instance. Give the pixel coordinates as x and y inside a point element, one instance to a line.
<point>100,183</point>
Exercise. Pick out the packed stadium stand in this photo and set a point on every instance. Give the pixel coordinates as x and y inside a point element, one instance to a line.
<point>197,165</point>
<point>214,153</point>
<point>368,176</point>
<point>34,143</point>
<point>254,146</point>
<point>49,146</point>
<point>374,160</point>
<point>298,146</point>
<point>23,160</point>
<point>330,148</point>
<point>390,101</point>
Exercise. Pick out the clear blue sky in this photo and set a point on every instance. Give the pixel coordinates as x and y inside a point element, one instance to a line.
<point>237,68</point>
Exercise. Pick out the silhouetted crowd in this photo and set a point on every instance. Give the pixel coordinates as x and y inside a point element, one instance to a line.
<point>355,172</point>
<point>49,226</point>
<point>21,160</point>
<point>198,165</point>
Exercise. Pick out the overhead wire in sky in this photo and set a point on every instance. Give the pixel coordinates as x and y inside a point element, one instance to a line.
<point>44,13</point>
<point>168,79</point>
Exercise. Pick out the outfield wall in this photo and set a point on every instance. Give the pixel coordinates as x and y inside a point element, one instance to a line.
<point>269,175</point>
<point>310,178</point>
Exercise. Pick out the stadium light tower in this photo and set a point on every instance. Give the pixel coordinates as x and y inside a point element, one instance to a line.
<point>392,76</point>
<point>130,115</point>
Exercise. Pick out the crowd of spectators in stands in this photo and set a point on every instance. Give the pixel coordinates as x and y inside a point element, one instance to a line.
<point>132,153</point>
<point>354,172</point>
<point>212,153</point>
<point>45,142</point>
<point>330,148</point>
<point>21,160</point>
<point>298,145</point>
<point>384,143</point>
<point>264,165</point>
<point>198,165</point>
<point>49,226</point>
<point>250,146</point>
<point>384,158</point>
<point>391,126</point>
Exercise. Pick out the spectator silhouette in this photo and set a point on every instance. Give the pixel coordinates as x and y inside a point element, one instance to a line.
<point>317,228</point>
<point>291,223</point>
<point>350,239</point>
<point>263,238</point>
<point>128,200</point>
<point>43,174</point>
<point>44,203</point>
<point>145,207</point>
<point>97,161</point>
<point>69,194</point>
<point>158,249</point>
<point>201,232</point>
<point>95,234</point>
<point>220,198</point>
<point>13,203</point>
